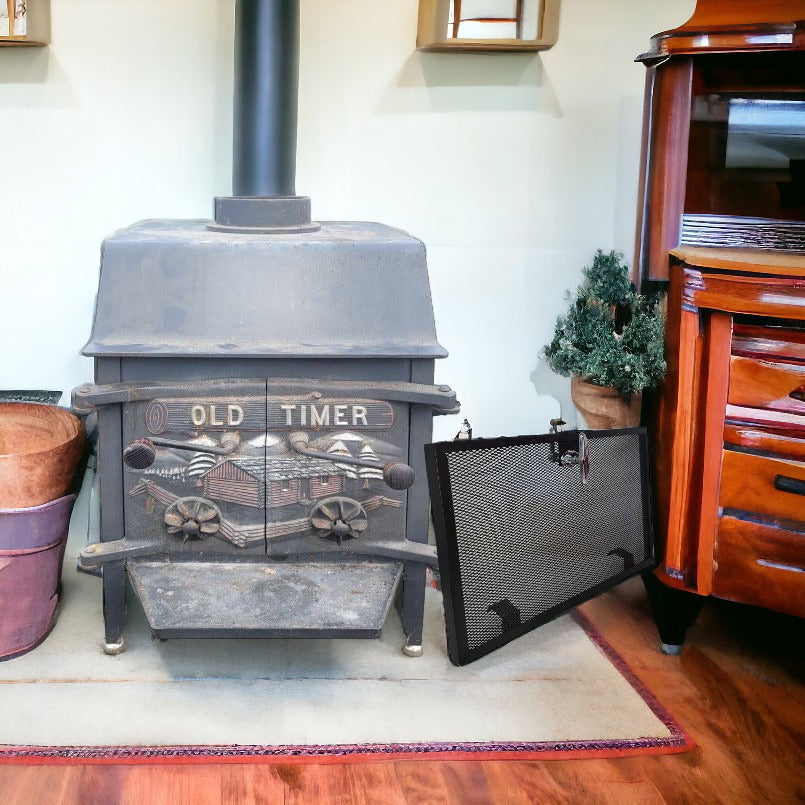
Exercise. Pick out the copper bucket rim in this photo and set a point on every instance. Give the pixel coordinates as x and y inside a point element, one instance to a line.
<point>70,422</point>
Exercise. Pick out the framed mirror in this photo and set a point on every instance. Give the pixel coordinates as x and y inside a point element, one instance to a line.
<point>487,25</point>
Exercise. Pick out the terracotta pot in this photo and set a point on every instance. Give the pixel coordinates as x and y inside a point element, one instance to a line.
<point>40,446</point>
<point>604,407</point>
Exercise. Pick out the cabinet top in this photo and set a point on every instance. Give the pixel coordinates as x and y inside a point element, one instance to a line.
<point>723,26</point>
<point>755,261</point>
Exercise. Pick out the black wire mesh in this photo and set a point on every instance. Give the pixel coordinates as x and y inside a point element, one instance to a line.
<point>521,538</point>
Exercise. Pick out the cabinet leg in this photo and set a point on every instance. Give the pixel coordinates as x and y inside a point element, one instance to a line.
<point>674,612</point>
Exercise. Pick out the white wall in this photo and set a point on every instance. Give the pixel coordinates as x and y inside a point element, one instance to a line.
<point>511,168</point>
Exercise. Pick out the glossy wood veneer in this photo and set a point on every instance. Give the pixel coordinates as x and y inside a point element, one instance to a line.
<point>734,381</point>
<point>751,483</point>
<point>733,25</point>
<point>772,442</point>
<point>777,386</point>
<point>760,564</point>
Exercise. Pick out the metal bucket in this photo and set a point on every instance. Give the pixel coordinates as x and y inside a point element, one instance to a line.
<point>32,542</point>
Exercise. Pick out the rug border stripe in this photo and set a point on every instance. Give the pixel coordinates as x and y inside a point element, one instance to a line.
<point>678,741</point>
<point>625,670</point>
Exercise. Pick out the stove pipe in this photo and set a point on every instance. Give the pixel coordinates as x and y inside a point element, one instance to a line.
<point>264,132</point>
<point>266,87</point>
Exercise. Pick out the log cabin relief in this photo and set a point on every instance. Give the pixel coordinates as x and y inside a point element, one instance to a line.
<point>218,481</point>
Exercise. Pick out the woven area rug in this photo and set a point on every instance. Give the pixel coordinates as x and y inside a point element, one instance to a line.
<point>560,691</point>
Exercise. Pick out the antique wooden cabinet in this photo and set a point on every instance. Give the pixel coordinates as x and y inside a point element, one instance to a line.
<point>721,228</point>
<point>729,434</point>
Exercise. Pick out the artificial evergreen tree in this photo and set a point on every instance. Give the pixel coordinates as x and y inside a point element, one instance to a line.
<point>610,335</point>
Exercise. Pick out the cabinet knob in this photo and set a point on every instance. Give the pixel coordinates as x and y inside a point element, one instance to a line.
<point>793,485</point>
<point>798,394</point>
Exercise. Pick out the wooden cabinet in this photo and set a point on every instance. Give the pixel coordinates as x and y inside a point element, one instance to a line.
<point>729,426</point>
<point>721,229</point>
<point>716,87</point>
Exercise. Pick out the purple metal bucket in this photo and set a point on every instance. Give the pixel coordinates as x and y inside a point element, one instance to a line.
<point>32,543</point>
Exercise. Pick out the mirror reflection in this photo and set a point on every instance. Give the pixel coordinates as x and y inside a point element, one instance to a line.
<point>493,19</point>
<point>747,155</point>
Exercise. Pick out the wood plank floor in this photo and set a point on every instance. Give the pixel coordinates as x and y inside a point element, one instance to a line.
<point>737,689</point>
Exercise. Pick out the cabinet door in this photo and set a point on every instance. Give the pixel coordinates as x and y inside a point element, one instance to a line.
<point>197,480</point>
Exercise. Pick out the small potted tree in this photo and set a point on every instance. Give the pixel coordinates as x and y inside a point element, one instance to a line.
<point>610,342</point>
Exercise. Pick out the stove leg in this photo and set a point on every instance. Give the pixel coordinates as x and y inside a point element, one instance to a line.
<point>113,649</point>
<point>412,611</point>
<point>114,606</point>
<point>412,651</point>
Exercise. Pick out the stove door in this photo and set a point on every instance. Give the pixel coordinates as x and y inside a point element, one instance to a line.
<point>194,469</point>
<point>320,504</point>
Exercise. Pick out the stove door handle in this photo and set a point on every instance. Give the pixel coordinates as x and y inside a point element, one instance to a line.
<point>141,453</point>
<point>99,553</point>
<point>405,550</point>
<point>396,474</point>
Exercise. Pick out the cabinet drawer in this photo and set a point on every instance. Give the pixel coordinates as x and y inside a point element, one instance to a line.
<point>792,425</point>
<point>768,342</point>
<point>760,565</point>
<point>769,486</point>
<point>772,385</point>
<point>766,440</point>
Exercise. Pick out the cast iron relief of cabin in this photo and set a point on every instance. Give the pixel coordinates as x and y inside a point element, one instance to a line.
<point>226,473</point>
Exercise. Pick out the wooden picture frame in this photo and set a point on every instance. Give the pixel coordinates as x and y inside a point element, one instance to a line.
<point>24,23</point>
<point>438,31</point>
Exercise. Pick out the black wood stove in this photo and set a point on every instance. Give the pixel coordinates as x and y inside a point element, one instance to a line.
<point>264,389</point>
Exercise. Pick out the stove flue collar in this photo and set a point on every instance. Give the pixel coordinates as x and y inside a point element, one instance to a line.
<point>263,215</point>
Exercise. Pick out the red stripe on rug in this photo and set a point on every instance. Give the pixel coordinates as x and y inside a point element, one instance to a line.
<point>602,644</point>
<point>678,741</point>
<point>60,756</point>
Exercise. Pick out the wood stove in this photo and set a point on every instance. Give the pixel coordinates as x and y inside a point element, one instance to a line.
<point>264,388</point>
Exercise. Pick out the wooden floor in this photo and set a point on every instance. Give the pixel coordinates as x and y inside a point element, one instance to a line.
<point>737,689</point>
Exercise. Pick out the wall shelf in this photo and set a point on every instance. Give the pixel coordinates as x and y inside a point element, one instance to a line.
<point>21,43</point>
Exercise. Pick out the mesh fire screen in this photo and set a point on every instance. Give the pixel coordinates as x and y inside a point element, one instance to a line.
<point>528,527</point>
